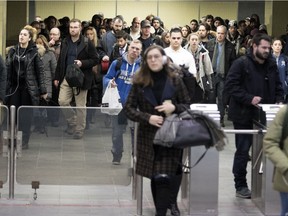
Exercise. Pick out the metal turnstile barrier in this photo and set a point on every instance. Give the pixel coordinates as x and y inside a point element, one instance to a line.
<point>200,196</point>
<point>263,195</point>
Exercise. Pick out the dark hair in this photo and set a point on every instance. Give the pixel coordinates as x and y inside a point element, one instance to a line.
<point>121,34</point>
<point>209,16</point>
<point>194,20</point>
<point>206,26</point>
<point>220,20</point>
<point>34,23</point>
<point>241,22</point>
<point>260,36</point>
<point>175,30</point>
<point>278,38</point>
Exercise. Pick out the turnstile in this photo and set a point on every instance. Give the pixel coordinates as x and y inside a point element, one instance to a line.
<point>200,184</point>
<point>263,195</point>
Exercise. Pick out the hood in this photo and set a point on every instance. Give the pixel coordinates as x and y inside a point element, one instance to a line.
<point>41,50</point>
<point>138,60</point>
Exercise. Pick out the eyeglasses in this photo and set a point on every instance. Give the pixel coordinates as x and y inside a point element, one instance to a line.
<point>150,57</point>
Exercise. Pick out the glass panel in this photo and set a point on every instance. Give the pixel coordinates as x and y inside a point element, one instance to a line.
<point>55,157</point>
<point>3,144</point>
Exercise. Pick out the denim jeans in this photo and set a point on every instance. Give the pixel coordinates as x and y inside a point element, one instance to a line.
<point>117,135</point>
<point>284,203</point>
<point>243,143</point>
<point>218,86</point>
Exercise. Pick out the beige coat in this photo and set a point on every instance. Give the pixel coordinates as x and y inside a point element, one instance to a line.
<point>272,150</point>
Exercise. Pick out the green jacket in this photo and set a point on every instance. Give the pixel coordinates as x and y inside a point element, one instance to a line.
<point>272,150</point>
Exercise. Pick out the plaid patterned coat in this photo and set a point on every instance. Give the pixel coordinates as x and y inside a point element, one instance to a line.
<point>140,105</point>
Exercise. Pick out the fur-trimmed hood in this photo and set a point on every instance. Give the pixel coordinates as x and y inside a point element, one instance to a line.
<point>42,50</point>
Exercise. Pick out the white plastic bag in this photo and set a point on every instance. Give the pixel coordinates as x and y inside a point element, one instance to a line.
<point>111,102</point>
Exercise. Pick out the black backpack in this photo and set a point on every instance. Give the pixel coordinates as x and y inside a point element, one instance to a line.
<point>74,76</point>
<point>194,90</point>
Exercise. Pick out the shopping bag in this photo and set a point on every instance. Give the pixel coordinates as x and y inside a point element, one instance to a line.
<point>111,102</point>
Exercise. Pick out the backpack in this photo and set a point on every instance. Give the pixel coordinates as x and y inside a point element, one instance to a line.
<point>194,90</point>
<point>74,75</point>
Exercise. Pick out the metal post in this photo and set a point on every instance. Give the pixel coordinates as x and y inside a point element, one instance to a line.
<point>137,187</point>
<point>12,152</point>
<point>134,159</point>
<point>139,192</point>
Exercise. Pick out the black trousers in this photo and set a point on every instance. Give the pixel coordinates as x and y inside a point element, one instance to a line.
<point>24,116</point>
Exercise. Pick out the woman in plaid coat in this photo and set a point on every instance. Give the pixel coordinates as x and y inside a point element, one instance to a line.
<point>157,91</point>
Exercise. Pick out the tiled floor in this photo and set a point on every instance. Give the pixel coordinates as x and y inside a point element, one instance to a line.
<point>77,178</point>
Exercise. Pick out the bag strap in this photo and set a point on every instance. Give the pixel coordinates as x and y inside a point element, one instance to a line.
<point>118,67</point>
<point>284,129</point>
<point>198,160</point>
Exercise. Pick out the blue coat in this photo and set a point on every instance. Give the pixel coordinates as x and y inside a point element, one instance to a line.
<point>123,77</point>
<point>283,72</point>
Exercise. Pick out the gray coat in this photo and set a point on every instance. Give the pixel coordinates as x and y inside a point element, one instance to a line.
<point>49,61</point>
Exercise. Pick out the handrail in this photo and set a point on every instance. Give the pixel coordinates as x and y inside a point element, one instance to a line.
<point>241,131</point>
<point>12,152</point>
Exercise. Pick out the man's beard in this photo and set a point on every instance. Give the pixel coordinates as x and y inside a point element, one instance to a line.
<point>262,56</point>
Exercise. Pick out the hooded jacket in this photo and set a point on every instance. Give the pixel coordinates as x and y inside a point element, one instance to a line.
<point>123,77</point>
<point>34,73</point>
<point>49,61</point>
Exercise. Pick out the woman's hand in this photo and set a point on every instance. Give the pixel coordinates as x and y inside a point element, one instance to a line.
<point>167,107</point>
<point>156,120</point>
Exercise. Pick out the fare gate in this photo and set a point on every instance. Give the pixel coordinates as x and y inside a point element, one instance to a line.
<point>197,195</point>
<point>263,195</point>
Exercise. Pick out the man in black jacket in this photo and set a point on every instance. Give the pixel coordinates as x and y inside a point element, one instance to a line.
<point>75,49</point>
<point>222,54</point>
<point>252,79</point>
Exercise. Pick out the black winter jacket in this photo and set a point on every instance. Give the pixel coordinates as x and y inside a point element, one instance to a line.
<point>87,55</point>
<point>246,79</point>
<point>34,73</point>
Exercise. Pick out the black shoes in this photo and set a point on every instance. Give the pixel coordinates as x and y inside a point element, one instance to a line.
<point>116,158</point>
<point>174,209</point>
<point>244,193</point>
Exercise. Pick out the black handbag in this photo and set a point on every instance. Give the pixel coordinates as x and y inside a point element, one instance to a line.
<point>188,129</point>
<point>74,76</point>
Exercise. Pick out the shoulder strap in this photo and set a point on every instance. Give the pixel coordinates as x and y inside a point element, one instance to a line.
<point>284,129</point>
<point>118,67</point>
<point>86,43</point>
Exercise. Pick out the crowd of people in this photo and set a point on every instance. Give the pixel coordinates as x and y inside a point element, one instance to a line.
<point>234,64</point>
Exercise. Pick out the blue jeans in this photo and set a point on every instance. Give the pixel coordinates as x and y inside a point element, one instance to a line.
<point>218,85</point>
<point>284,203</point>
<point>117,136</point>
<point>243,143</point>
